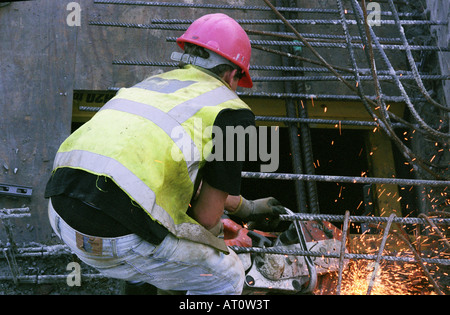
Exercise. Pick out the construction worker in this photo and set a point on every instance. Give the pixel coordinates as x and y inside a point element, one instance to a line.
<point>133,192</point>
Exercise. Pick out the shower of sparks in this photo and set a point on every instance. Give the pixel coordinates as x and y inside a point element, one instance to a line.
<point>393,278</point>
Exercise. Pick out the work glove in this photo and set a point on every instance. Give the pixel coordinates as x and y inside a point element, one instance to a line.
<point>217,230</point>
<point>259,212</point>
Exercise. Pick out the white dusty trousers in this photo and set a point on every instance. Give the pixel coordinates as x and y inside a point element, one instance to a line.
<point>175,264</point>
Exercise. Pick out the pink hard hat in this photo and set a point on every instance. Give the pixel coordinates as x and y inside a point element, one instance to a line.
<point>224,36</point>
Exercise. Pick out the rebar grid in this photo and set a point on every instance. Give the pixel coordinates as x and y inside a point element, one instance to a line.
<point>381,117</point>
<point>375,105</point>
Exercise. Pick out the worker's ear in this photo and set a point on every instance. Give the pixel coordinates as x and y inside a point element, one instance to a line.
<point>231,79</point>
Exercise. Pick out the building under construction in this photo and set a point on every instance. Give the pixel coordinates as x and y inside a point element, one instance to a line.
<point>358,90</point>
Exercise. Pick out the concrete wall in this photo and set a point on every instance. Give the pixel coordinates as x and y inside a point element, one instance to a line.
<point>440,10</point>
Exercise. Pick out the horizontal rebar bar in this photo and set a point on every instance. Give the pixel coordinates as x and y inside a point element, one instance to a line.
<point>269,42</point>
<point>306,22</point>
<point>361,219</point>
<point>310,36</point>
<point>149,63</point>
<point>349,78</point>
<point>42,251</point>
<point>139,26</point>
<point>394,99</point>
<point>346,179</point>
<point>335,45</point>
<point>361,123</point>
<point>14,213</point>
<point>171,27</point>
<point>43,279</point>
<point>234,7</point>
<point>281,251</point>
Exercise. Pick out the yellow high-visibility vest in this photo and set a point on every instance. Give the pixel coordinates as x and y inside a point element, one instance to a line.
<point>151,140</point>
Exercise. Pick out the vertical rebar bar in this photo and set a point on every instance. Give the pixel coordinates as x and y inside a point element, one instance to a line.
<point>342,252</point>
<point>294,140</point>
<point>380,252</point>
<point>435,229</point>
<point>404,237</point>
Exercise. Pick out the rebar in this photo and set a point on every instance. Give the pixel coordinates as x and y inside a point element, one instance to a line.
<point>149,63</point>
<point>231,7</point>
<point>349,78</point>
<point>380,252</point>
<point>315,36</point>
<point>342,97</point>
<point>367,32</point>
<point>342,251</point>
<point>435,230</point>
<point>412,158</point>
<point>335,45</point>
<point>411,61</point>
<point>404,237</point>
<point>303,22</point>
<point>385,124</point>
<point>399,85</point>
<point>376,77</point>
<point>393,99</point>
<point>346,179</point>
<point>14,213</point>
<point>138,26</point>
<point>12,264</point>
<point>294,141</point>
<point>282,251</point>
<point>404,46</point>
<point>361,219</point>
<point>45,279</point>
<point>360,123</point>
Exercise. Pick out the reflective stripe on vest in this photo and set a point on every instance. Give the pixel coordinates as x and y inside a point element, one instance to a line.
<point>166,123</point>
<point>162,102</point>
